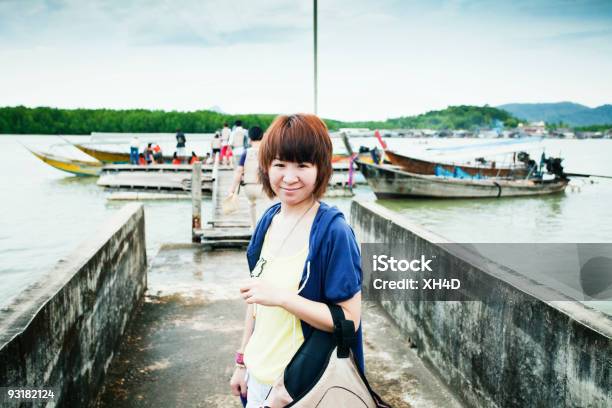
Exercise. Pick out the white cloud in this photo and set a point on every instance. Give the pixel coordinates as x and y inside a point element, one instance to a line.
<point>376,59</point>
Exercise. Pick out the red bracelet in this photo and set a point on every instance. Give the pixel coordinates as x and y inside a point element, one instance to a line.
<point>239,358</point>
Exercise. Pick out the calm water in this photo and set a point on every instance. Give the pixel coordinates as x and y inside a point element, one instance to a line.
<point>46,213</point>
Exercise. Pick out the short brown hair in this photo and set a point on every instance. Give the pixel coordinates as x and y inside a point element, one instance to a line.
<point>300,138</point>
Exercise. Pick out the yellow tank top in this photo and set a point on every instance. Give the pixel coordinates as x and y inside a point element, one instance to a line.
<point>278,333</point>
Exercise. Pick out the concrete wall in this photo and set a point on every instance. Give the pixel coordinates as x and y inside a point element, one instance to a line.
<point>63,331</point>
<point>509,349</point>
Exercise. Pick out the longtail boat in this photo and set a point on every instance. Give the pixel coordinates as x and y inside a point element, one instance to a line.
<point>108,156</point>
<point>72,166</point>
<point>104,156</point>
<point>419,166</point>
<point>389,181</point>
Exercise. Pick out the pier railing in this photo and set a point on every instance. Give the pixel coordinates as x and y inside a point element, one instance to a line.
<point>62,332</point>
<point>510,348</point>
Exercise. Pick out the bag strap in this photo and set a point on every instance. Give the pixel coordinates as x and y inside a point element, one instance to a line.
<point>344,331</point>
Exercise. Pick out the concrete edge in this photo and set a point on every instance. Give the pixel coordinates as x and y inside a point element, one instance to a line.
<point>35,296</point>
<point>577,311</point>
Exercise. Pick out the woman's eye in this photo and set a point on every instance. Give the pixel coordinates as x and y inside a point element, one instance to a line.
<point>279,165</point>
<point>304,165</point>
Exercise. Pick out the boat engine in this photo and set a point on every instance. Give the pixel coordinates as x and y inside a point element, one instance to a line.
<point>524,157</point>
<point>553,166</point>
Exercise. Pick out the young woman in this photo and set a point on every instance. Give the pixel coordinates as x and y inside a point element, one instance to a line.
<point>302,255</point>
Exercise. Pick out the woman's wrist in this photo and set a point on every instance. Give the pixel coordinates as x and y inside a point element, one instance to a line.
<point>286,298</point>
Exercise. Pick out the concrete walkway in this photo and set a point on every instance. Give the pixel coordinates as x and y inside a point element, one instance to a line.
<point>179,349</point>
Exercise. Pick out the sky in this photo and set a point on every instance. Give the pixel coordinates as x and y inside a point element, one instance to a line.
<point>378,59</point>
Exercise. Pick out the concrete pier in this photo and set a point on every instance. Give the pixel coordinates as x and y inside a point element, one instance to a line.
<point>106,331</point>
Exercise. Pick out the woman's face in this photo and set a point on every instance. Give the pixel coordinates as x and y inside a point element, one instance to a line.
<point>292,182</point>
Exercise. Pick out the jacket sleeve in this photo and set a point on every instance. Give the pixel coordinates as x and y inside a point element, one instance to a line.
<point>343,273</point>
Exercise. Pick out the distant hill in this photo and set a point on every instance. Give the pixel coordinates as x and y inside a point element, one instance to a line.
<point>597,116</point>
<point>571,113</point>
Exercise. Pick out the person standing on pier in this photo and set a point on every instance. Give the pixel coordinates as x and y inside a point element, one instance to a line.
<point>236,140</point>
<point>181,141</point>
<point>225,149</point>
<point>215,145</point>
<point>302,256</point>
<point>134,147</point>
<point>149,153</point>
<point>247,172</point>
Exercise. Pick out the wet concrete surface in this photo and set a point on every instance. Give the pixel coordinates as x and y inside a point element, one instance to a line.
<point>179,348</point>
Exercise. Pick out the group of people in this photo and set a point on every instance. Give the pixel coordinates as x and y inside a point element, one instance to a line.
<point>152,154</point>
<point>230,143</point>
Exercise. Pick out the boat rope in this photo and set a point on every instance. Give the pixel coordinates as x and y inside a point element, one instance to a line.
<point>498,188</point>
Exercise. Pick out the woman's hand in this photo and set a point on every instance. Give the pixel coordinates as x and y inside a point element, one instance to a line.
<point>238,383</point>
<point>263,293</point>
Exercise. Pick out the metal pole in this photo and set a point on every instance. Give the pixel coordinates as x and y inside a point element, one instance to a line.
<point>196,201</point>
<point>315,58</point>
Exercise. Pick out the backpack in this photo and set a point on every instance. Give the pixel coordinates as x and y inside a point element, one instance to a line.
<point>323,372</point>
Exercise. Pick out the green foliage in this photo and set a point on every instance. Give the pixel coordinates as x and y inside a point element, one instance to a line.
<point>594,128</point>
<point>44,120</point>
<point>558,125</point>
<point>453,117</point>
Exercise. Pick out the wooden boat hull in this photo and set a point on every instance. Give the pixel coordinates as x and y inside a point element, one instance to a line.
<point>393,182</point>
<point>343,159</point>
<point>76,167</point>
<point>419,166</point>
<point>103,155</point>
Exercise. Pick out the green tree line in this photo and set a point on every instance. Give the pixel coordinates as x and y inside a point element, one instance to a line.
<point>594,128</point>
<point>45,120</point>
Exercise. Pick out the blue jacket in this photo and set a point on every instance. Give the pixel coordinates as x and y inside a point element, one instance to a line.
<point>332,272</point>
